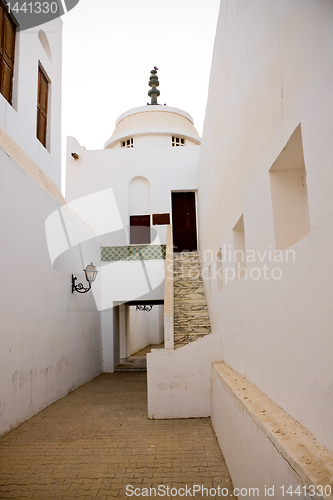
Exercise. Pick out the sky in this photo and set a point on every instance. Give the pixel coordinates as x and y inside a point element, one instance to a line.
<point>109,49</point>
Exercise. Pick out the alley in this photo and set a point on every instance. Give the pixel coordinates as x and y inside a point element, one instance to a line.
<point>97,441</point>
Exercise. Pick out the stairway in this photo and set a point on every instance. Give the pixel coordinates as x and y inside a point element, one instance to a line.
<point>191,318</point>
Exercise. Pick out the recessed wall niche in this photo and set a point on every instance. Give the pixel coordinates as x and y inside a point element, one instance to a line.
<point>239,248</point>
<point>219,269</point>
<point>289,193</point>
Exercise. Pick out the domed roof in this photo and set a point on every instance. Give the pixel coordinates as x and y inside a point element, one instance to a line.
<point>154,120</point>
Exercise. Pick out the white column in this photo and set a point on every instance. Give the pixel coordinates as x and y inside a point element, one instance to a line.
<point>107,339</point>
<point>122,331</point>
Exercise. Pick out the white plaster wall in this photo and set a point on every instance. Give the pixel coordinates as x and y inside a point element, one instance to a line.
<point>51,338</point>
<point>124,281</point>
<point>271,71</point>
<point>95,171</point>
<point>19,120</point>
<point>179,381</point>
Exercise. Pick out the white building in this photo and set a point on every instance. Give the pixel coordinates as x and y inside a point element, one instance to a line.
<point>149,169</point>
<point>265,188</point>
<point>50,338</point>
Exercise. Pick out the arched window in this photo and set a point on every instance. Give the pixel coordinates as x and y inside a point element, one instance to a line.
<point>45,43</point>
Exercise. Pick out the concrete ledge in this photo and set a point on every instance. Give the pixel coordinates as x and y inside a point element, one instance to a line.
<point>309,462</point>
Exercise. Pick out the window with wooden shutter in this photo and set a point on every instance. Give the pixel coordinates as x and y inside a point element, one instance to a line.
<point>7,51</point>
<point>139,229</point>
<point>43,95</point>
<point>161,219</point>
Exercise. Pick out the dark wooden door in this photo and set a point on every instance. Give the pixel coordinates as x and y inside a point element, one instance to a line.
<point>184,222</point>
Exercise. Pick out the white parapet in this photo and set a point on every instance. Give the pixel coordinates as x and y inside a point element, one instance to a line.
<point>179,380</point>
<point>267,452</point>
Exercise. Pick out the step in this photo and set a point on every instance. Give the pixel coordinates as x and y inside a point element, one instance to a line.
<point>132,364</point>
<point>197,310</point>
<point>188,262</point>
<point>182,270</point>
<point>192,270</point>
<point>198,329</point>
<point>192,320</point>
<point>185,274</point>
<point>189,288</point>
<point>193,315</point>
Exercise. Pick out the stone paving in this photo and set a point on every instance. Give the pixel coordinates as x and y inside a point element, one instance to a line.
<point>191,318</point>
<point>97,441</point>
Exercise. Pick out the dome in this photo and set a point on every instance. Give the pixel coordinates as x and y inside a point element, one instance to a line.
<point>153,120</point>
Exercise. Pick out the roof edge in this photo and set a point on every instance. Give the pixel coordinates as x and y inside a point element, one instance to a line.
<point>154,108</point>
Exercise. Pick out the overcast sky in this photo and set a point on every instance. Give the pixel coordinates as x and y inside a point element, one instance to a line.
<point>109,48</point>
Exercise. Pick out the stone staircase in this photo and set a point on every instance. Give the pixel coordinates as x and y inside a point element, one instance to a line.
<point>191,318</point>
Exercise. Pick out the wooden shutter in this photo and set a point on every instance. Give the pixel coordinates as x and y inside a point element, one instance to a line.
<point>140,229</point>
<point>7,51</point>
<point>161,219</point>
<point>43,94</point>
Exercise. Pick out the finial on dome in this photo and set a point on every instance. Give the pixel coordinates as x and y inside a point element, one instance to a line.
<point>153,83</point>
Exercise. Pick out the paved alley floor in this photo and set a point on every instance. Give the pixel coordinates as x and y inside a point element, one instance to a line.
<point>98,443</point>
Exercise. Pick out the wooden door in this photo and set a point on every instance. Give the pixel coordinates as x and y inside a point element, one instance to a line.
<point>184,222</point>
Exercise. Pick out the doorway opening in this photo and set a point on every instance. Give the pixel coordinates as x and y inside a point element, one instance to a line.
<point>184,221</point>
<point>139,333</point>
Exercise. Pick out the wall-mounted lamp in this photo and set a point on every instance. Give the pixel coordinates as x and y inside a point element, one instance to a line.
<point>91,273</point>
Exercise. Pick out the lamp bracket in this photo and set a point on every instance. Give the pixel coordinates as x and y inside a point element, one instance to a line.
<point>79,287</point>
